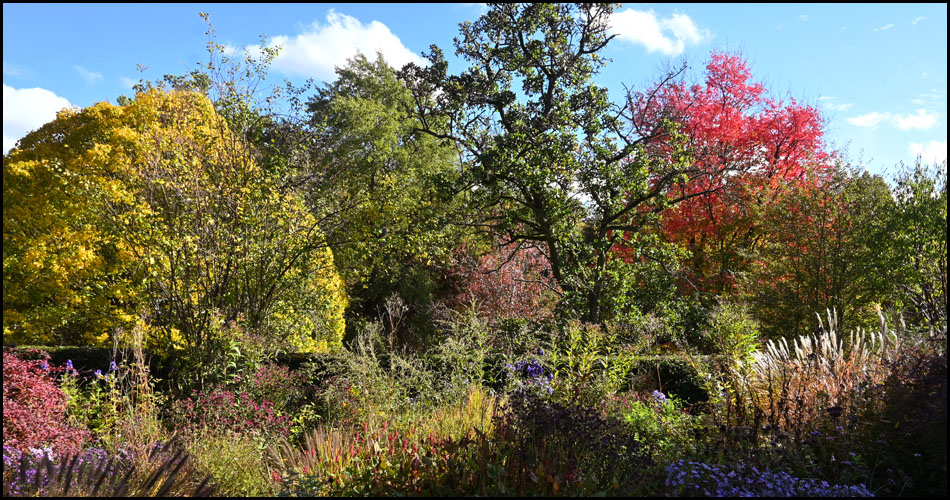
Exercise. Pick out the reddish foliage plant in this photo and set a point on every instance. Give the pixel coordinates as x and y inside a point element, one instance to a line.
<point>224,410</point>
<point>509,282</point>
<point>746,148</point>
<point>34,408</point>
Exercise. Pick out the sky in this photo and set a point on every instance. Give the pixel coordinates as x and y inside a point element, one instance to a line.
<point>878,72</point>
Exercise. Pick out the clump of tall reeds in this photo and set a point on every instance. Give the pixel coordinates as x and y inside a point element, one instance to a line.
<point>792,385</point>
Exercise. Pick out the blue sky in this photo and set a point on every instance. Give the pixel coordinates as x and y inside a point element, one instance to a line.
<point>878,72</point>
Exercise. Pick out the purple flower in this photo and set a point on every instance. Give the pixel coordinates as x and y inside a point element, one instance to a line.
<point>98,374</point>
<point>659,396</point>
<point>45,366</point>
<point>740,480</point>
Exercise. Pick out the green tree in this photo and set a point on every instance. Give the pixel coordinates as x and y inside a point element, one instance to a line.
<point>917,236</point>
<point>823,247</point>
<point>550,162</point>
<point>380,187</point>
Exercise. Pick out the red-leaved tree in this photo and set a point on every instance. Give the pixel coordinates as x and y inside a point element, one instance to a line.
<point>512,281</point>
<point>746,147</point>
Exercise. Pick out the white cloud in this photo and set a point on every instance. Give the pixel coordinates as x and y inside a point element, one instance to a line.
<point>931,99</point>
<point>917,20</point>
<point>882,28</point>
<point>935,151</point>
<point>25,110</point>
<point>127,82</point>
<point>832,106</point>
<point>669,36</point>
<point>318,51</point>
<point>803,18</point>
<point>14,70</point>
<point>482,7</point>
<point>922,120</point>
<point>869,119</point>
<point>89,76</point>
<point>839,107</point>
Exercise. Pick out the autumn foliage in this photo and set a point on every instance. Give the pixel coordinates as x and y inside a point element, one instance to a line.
<point>746,148</point>
<point>157,209</point>
<point>34,408</point>
<point>508,282</point>
<point>497,281</point>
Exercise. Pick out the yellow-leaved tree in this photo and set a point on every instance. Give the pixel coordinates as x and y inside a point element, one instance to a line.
<point>66,280</point>
<point>157,210</point>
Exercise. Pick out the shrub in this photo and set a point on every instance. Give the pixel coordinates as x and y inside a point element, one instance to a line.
<point>121,407</point>
<point>371,382</point>
<point>225,410</point>
<point>372,460</point>
<point>587,363</point>
<point>102,403</point>
<point>274,383</point>
<point>867,411</point>
<point>733,333</point>
<point>530,377</point>
<point>511,281</point>
<point>658,420</point>
<point>531,447</point>
<point>84,359</point>
<point>684,376</point>
<point>34,408</point>
<point>571,450</point>
<point>904,423</point>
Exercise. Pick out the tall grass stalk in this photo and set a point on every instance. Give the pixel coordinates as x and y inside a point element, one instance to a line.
<point>793,384</point>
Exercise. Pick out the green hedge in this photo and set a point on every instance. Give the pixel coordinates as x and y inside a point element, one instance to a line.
<point>676,375</point>
<point>89,359</point>
<point>85,359</point>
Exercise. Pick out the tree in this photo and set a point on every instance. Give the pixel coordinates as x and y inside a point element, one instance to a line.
<point>203,235</point>
<point>503,285</point>
<point>824,248</point>
<point>66,278</point>
<point>557,168</point>
<point>225,241</point>
<point>750,146</point>
<point>917,249</point>
<point>379,186</point>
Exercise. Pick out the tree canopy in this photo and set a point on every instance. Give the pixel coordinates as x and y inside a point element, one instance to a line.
<point>159,201</point>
